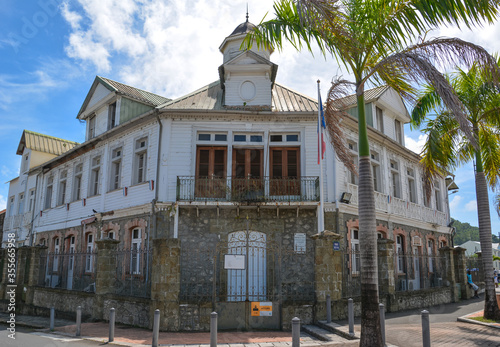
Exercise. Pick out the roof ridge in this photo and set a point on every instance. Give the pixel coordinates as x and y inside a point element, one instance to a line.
<point>49,136</point>
<point>180,98</point>
<point>127,85</point>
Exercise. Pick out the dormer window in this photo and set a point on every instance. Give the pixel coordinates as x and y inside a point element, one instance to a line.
<point>92,122</point>
<point>112,116</point>
<point>380,119</point>
<point>398,132</point>
<point>25,162</point>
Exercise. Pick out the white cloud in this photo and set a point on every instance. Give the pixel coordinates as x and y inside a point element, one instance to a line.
<point>416,145</point>
<point>3,202</point>
<point>471,206</point>
<point>454,204</point>
<point>172,48</point>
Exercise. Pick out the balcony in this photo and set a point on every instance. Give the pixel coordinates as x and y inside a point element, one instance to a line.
<point>252,190</point>
<point>401,207</point>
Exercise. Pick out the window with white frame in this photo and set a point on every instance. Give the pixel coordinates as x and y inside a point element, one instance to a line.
<point>375,162</point>
<point>135,248</point>
<point>24,165</point>
<point>400,248</point>
<point>61,193</point>
<point>116,169</point>
<point>437,196</point>
<point>140,160</point>
<point>111,235</point>
<point>31,203</point>
<point>395,181</point>
<point>284,137</point>
<point>355,255</point>
<point>55,263</point>
<point>20,209</point>
<point>412,191</point>
<point>95,171</point>
<point>92,123</point>
<point>77,182</point>
<point>11,206</point>
<point>247,138</point>
<point>211,137</point>
<point>89,259</point>
<point>112,115</point>
<point>398,131</point>
<point>380,119</point>
<point>426,200</point>
<point>352,178</point>
<point>430,253</point>
<point>48,192</point>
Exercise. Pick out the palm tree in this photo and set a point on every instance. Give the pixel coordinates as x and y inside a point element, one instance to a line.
<point>497,203</point>
<point>481,100</point>
<point>370,38</point>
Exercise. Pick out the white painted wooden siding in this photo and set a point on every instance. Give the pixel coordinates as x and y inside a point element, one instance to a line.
<point>262,85</point>
<point>100,93</point>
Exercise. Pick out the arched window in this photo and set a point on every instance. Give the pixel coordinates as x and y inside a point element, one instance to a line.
<point>430,253</point>
<point>55,263</point>
<point>135,251</point>
<point>355,256</point>
<point>89,259</point>
<point>400,249</point>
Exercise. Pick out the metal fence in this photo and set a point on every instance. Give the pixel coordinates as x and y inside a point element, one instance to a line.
<point>133,272</point>
<point>263,189</point>
<point>71,270</point>
<point>217,273</point>
<point>475,265</point>
<point>415,271</point>
<point>351,269</point>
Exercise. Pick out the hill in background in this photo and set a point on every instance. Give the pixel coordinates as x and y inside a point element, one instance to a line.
<point>466,232</point>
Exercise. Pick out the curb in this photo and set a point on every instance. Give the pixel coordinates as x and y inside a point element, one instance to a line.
<point>23,324</point>
<point>464,319</point>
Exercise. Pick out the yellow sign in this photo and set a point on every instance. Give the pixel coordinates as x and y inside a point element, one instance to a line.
<point>261,309</point>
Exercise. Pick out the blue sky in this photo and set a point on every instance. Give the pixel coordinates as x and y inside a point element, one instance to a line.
<point>51,51</point>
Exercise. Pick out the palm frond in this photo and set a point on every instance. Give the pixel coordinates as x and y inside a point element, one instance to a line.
<point>489,141</point>
<point>428,101</point>
<point>335,112</point>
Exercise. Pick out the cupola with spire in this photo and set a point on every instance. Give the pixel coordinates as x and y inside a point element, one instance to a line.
<point>246,76</point>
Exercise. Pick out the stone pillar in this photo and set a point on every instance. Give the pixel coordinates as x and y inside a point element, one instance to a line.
<point>105,274</point>
<point>448,266</point>
<point>386,279</point>
<point>34,272</point>
<point>327,271</point>
<point>23,264</point>
<point>166,283</point>
<point>460,272</point>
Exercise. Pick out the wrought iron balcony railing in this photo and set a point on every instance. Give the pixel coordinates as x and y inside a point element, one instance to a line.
<point>264,189</point>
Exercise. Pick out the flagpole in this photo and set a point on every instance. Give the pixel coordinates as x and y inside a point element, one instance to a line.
<point>321,219</point>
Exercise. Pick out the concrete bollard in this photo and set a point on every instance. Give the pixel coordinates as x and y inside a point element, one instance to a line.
<point>156,328</point>
<point>295,332</point>
<point>52,318</point>
<point>382,322</point>
<point>328,309</point>
<point>112,324</point>
<point>213,329</point>
<point>426,330</point>
<point>350,316</point>
<point>79,321</point>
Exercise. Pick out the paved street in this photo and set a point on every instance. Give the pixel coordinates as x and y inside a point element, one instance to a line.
<point>27,337</point>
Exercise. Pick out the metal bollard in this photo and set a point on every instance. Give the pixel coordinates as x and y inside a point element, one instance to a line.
<point>156,328</point>
<point>52,318</point>
<point>382,322</point>
<point>426,330</point>
<point>112,324</point>
<point>79,321</point>
<point>295,332</point>
<point>328,309</point>
<point>213,329</point>
<point>350,315</point>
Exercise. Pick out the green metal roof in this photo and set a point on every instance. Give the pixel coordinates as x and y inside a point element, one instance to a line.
<point>44,143</point>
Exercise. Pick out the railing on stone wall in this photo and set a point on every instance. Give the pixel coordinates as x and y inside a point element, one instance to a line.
<point>133,272</point>
<point>264,189</point>
<point>71,270</point>
<point>415,271</point>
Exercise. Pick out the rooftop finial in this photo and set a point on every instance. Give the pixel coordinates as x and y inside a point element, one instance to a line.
<point>247,12</point>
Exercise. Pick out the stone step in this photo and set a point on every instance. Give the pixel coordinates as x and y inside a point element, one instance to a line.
<point>326,336</point>
<point>337,329</point>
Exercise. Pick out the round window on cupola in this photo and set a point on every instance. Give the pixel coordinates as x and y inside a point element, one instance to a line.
<point>247,90</point>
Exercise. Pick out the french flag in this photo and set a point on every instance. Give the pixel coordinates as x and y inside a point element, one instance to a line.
<point>321,126</point>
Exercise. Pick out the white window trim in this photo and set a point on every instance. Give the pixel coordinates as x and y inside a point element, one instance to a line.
<point>135,251</point>
<point>89,259</point>
<point>48,197</point>
<point>138,175</point>
<point>113,175</point>
<point>77,190</point>
<point>95,175</point>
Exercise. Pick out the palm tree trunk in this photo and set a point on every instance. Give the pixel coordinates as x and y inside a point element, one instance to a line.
<point>491,310</point>
<point>370,317</point>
